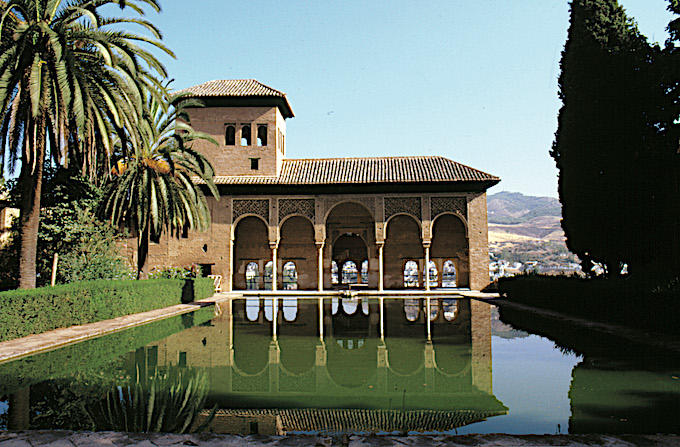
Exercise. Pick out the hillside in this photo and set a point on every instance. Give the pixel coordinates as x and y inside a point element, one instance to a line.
<point>526,228</point>
<point>514,207</point>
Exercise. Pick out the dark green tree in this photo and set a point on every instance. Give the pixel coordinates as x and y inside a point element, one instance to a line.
<point>602,146</point>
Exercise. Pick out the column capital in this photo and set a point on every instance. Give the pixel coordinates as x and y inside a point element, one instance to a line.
<point>427,243</point>
<point>274,245</point>
<point>320,244</point>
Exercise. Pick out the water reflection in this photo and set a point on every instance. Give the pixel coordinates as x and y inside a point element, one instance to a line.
<point>345,360</point>
<point>278,365</point>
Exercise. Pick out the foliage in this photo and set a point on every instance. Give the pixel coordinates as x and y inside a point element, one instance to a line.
<point>171,272</point>
<point>152,191</point>
<point>86,246</point>
<point>166,402</point>
<point>70,77</point>
<point>616,144</point>
<point>27,312</point>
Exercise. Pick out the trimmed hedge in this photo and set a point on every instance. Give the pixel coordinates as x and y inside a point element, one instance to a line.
<point>26,312</point>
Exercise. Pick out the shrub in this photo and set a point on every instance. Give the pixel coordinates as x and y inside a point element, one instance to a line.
<point>27,312</point>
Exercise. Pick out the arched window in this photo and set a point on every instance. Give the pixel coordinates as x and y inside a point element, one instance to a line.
<point>252,276</point>
<point>245,135</point>
<point>450,309</point>
<point>334,273</point>
<point>230,135</point>
<point>411,309</point>
<point>411,274</point>
<point>349,273</point>
<point>289,276</point>
<point>364,272</point>
<point>262,135</point>
<point>268,275</point>
<point>449,274</point>
<point>290,308</point>
<point>434,280</point>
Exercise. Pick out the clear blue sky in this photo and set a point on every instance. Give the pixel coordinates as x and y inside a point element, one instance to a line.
<point>471,80</point>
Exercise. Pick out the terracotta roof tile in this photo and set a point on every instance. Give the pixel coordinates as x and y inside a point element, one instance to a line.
<point>231,87</point>
<point>325,171</point>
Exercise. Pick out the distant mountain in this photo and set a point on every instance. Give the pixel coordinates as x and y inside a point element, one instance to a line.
<point>514,207</point>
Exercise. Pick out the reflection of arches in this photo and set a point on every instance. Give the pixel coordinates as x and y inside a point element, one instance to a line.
<point>290,276</point>
<point>450,307</point>
<point>412,308</point>
<point>251,244</point>
<point>449,243</point>
<point>252,276</point>
<point>403,243</point>
<point>297,243</point>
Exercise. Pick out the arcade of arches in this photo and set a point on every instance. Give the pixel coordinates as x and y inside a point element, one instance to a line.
<point>376,242</point>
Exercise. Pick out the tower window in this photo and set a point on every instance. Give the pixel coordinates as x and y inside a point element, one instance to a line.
<point>262,135</point>
<point>254,164</point>
<point>245,135</point>
<point>230,135</point>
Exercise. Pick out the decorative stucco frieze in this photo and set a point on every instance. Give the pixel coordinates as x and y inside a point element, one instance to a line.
<point>408,205</point>
<point>259,207</point>
<point>304,207</point>
<point>456,205</point>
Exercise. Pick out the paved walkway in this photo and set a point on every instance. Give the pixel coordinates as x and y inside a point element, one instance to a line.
<point>112,439</point>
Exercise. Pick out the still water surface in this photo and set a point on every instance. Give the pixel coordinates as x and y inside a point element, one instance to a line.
<point>377,365</point>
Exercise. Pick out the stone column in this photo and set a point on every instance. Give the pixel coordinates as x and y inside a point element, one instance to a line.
<point>319,249</point>
<point>275,274</point>
<point>426,273</point>
<point>230,280</point>
<point>382,319</point>
<point>381,273</point>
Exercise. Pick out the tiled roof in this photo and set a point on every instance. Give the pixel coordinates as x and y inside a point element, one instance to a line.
<point>231,87</point>
<point>328,171</point>
<point>249,89</point>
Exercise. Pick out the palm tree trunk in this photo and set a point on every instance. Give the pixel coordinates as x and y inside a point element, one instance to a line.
<point>30,181</point>
<point>18,413</point>
<point>143,253</point>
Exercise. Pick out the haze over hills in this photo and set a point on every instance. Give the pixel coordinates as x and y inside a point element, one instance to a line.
<point>527,228</point>
<point>514,207</point>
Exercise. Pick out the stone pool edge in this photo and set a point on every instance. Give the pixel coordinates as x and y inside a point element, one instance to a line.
<point>56,438</point>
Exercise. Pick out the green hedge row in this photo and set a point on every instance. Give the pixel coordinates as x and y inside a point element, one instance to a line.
<point>26,312</point>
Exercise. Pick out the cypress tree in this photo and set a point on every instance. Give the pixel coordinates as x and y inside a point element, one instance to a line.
<point>602,133</point>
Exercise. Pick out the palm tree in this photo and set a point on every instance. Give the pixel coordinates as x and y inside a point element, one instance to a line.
<point>70,78</point>
<point>153,191</point>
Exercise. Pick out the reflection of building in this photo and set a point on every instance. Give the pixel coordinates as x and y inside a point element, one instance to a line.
<point>366,356</point>
<point>316,212</point>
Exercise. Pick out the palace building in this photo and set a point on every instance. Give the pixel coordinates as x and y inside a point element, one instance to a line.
<point>324,223</point>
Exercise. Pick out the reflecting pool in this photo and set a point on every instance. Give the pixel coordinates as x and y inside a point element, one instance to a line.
<point>383,365</point>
